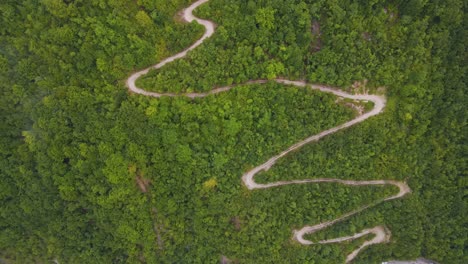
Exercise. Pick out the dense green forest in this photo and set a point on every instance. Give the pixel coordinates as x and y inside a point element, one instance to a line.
<point>91,173</point>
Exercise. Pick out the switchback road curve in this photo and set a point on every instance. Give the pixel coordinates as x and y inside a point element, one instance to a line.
<point>381,233</point>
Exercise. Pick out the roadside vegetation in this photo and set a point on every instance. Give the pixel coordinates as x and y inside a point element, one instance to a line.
<point>93,174</point>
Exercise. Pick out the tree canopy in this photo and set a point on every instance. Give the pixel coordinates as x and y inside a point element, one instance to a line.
<point>91,173</point>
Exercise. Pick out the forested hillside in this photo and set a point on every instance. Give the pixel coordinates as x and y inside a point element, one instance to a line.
<point>91,173</point>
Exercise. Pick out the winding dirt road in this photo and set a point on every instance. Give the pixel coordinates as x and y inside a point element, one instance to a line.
<point>381,234</point>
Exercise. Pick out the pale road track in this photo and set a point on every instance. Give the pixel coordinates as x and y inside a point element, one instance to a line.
<point>381,234</point>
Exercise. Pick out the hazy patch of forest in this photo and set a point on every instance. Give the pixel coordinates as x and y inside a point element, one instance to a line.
<point>76,146</point>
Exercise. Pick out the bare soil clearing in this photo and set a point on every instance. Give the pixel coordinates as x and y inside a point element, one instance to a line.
<point>381,234</point>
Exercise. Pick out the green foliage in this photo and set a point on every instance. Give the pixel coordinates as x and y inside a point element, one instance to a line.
<point>75,146</point>
<point>265,17</point>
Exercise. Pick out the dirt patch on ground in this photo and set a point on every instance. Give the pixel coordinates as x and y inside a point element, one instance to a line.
<point>360,87</point>
<point>225,260</point>
<point>143,183</point>
<point>179,17</point>
<point>157,228</point>
<point>316,44</point>
<point>237,223</point>
<point>358,108</point>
